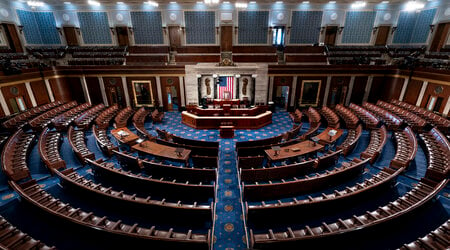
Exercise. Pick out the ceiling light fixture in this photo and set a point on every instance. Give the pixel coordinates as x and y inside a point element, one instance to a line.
<point>413,6</point>
<point>67,3</point>
<point>35,3</point>
<point>252,2</point>
<point>241,5</point>
<point>152,3</point>
<point>332,2</point>
<point>279,2</point>
<point>211,2</point>
<point>385,2</point>
<point>93,3</point>
<point>120,3</point>
<point>358,4</point>
<point>305,2</point>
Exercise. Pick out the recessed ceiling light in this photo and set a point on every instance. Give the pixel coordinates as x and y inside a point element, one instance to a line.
<point>152,3</point>
<point>226,2</point>
<point>93,3</point>
<point>305,2</point>
<point>35,3</point>
<point>332,2</point>
<point>173,2</point>
<point>358,4</point>
<point>241,5</point>
<point>385,2</point>
<point>67,3</point>
<point>199,2</point>
<point>279,2</point>
<point>120,3</point>
<point>252,2</point>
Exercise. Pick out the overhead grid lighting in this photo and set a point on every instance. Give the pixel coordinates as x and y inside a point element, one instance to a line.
<point>93,3</point>
<point>241,5</point>
<point>152,3</point>
<point>358,4</point>
<point>35,3</point>
<point>413,6</point>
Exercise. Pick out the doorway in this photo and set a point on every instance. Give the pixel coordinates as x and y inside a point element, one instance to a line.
<point>382,35</point>
<point>330,35</point>
<point>114,95</point>
<point>172,98</point>
<point>281,99</point>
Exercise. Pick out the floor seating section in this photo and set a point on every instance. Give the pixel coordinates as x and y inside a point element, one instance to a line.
<point>436,120</point>
<point>22,118</point>
<point>103,141</point>
<point>285,211</point>
<point>252,161</point>
<point>314,123</point>
<point>104,118</point>
<point>437,239</point>
<point>62,121</point>
<point>160,208</point>
<point>160,170</point>
<point>49,143</point>
<point>369,119</point>
<point>169,188</point>
<point>258,143</point>
<point>15,154</point>
<point>201,151</point>
<point>406,148</point>
<point>414,121</point>
<point>32,193</point>
<point>157,116</point>
<point>293,133</point>
<point>84,120</point>
<point>139,121</point>
<point>259,173</point>
<point>78,145</point>
<point>122,117</point>
<point>41,121</point>
<point>392,121</point>
<point>276,189</point>
<point>331,117</point>
<point>437,148</point>
<point>296,116</point>
<point>378,138</point>
<point>13,238</point>
<point>205,161</point>
<point>408,203</point>
<point>350,119</point>
<point>351,140</point>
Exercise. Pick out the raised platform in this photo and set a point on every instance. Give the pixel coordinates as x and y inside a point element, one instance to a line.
<point>214,122</point>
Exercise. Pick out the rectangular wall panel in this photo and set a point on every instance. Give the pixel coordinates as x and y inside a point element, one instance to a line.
<point>200,27</point>
<point>253,27</point>
<point>94,27</point>
<point>305,27</point>
<point>147,27</point>
<point>422,27</point>
<point>358,27</point>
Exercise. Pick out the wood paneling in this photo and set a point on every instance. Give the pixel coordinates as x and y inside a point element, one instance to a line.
<point>382,35</point>
<point>330,35</point>
<point>255,58</point>
<point>437,90</point>
<point>174,37</point>
<point>305,58</point>
<point>282,81</point>
<point>168,82</point>
<point>71,36</point>
<point>304,49</point>
<point>412,91</point>
<point>197,58</point>
<point>226,38</point>
<point>95,92</point>
<point>8,93</point>
<point>2,113</point>
<point>130,87</point>
<point>440,36</point>
<point>13,37</point>
<point>359,88</point>
<point>198,49</point>
<point>122,36</point>
<point>114,91</point>
<point>254,49</point>
<point>60,89</point>
<point>338,90</point>
<point>298,89</point>
<point>385,88</point>
<point>40,92</point>
<point>376,90</point>
<point>76,89</point>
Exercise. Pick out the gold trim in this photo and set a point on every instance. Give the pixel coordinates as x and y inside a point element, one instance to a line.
<point>151,93</point>
<point>301,93</point>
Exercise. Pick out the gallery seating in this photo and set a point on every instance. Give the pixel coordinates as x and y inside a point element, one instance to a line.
<point>84,120</point>
<point>436,120</point>
<point>13,238</point>
<point>105,117</point>
<point>49,143</point>
<point>313,236</point>
<point>41,121</point>
<point>351,140</point>
<point>392,121</point>
<point>32,193</point>
<point>78,144</point>
<point>139,122</point>
<point>350,119</point>
<point>369,119</point>
<point>157,116</point>
<point>296,116</point>
<point>122,117</point>
<point>406,143</point>
<point>331,117</point>
<point>172,188</point>
<point>62,121</point>
<point>378,138</point>
<point>103,141</point>
<point>437,239</point>
<point>15,154</point>
<point>285,211</point>
<point>276,189</point>
<point>22,118</point>
<point>158,209</point>
<point>414,121</point>
<point>436,148</point>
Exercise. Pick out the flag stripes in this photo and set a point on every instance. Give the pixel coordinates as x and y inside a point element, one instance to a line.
<point>228,87</point>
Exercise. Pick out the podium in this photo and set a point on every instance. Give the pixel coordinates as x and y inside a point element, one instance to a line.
<point>226,131</point>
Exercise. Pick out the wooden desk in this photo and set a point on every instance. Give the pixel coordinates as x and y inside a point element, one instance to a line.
<point>324,138</point>
<point>214,122</point>
<point>128,137</point>
<point>305,147</point>
<point>163,151</point>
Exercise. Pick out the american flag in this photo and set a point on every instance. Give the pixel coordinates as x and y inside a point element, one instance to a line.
<point>226,84</point>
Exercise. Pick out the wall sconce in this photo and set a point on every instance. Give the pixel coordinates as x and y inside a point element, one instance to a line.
<point>393,30</point>
<point>165,30</point>
<point>270,29</point>
<point>340,29</point>
<point>236,30</point>
<point>432,27</point>
<point>182,29</point>
<point>322,29</point>
<point>217,30</point>
<point>20,27</point>
<point>131,30</point>
<point>374,30</point>
<point>112,30</point>
<point>77,29</point>
<point>288,30</point>
<point>59,29</point>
